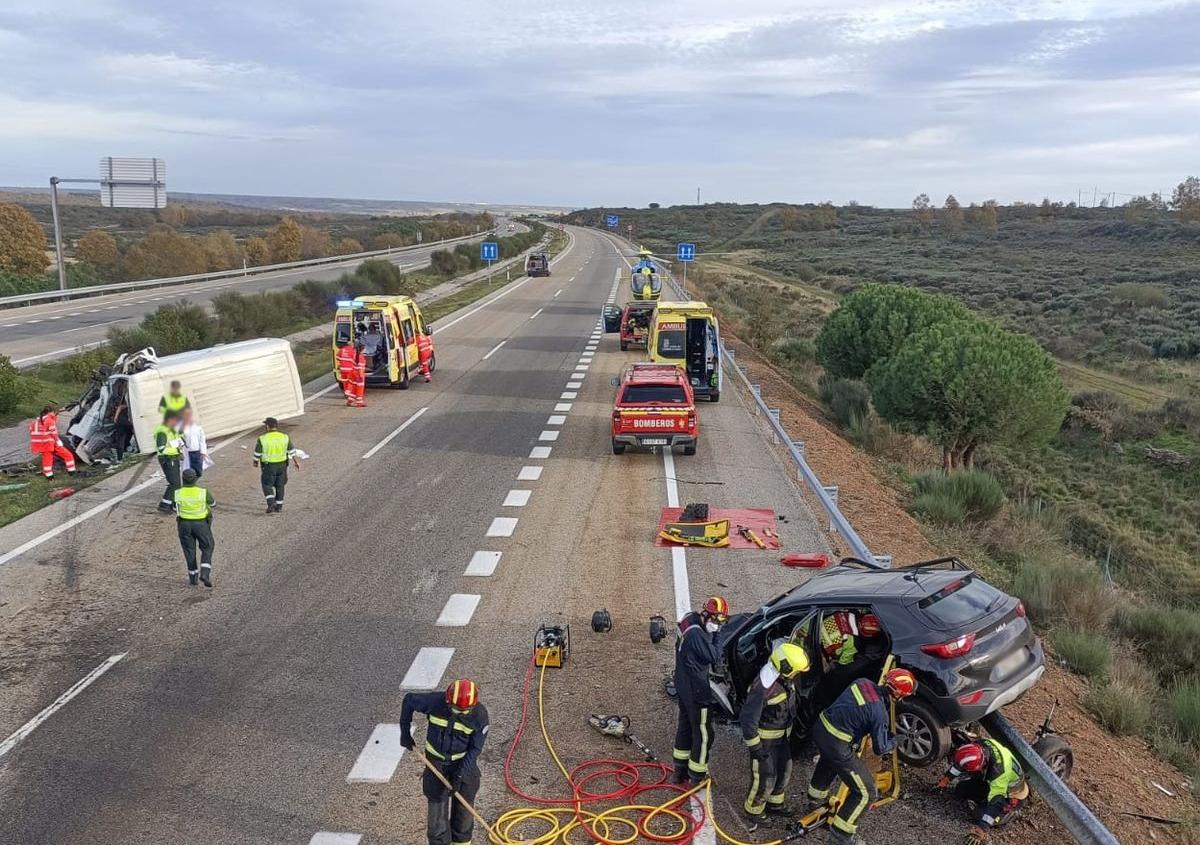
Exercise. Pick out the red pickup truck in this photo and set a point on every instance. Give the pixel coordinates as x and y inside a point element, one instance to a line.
<point>635,324</point>
<point>654,407</point>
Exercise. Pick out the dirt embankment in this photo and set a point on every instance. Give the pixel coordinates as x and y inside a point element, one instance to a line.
<point>1115,776</point>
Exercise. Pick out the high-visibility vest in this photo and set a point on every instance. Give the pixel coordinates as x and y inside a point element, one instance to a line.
<point>347,359</point>
<point>191,503</point>
<point>171,449</point>
<point>173,403</point>
<point>836,641</point>
<point>43,433</point>
<point>1009,776</point>
<point>273,447</point>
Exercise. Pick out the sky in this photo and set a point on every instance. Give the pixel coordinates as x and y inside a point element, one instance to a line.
<point>609,103</point>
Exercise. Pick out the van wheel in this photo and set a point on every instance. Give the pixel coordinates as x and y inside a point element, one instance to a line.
<point>714,396</point>
<point>922,738</point>
<point>618,448</point>
<point>624,346</point>
<point>1058,755</point>
<point>432,363</point>
<point>690,449</point>
<point>403,383</point>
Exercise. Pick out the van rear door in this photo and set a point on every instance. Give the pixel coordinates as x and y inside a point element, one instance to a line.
<point>697,351</point>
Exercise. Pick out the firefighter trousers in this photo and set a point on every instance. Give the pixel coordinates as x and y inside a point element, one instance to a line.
<point>838,761</point>
<point>448,822</point>
<point>170,469</point>
<point>693,739</point>
<point>986,813</point>
<point>193,533</point>
<point>770,772</point>
<point>274,479</point>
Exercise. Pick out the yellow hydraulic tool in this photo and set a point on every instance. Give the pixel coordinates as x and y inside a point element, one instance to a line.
<point>552,645</point>
<point>713,534</point>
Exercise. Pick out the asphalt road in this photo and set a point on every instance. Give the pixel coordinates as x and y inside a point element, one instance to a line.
<point>37,333</point>
<point>248,714</point>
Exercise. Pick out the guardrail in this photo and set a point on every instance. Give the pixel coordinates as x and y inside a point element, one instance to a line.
<point>1079,820</point>
<point>118,287</point>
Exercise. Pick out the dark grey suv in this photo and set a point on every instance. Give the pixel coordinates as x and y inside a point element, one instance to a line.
<point>969,644</point>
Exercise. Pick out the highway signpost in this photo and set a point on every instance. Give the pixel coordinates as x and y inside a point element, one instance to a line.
<point>489,251</point>
<point>685,254</point>
<point>612,221</point>
<point>124,183</point>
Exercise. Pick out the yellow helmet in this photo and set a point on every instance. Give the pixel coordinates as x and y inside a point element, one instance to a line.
<point>789,659</point>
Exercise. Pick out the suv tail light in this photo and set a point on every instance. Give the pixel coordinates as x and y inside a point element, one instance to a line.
<point>971,698</point>
<point>954,648</point>
<point>616,418</point>
<point>1021,609</point>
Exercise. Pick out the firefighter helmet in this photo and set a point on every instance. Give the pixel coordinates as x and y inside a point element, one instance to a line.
<point>969,759</point>
<point>717,609</point>
<point>901,682</point>
<point>789,659</point>
<point>868,625</point>
<point>462,695</point>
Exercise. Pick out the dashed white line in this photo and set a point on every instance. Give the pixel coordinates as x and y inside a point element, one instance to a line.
<point>556,419</point>
<point>483,564</point>
<point>563,406</point>
<point>379,758</point>
<point>31,322</point>
<point>494,349</point>
<point>502,526</point>
<point>574,385</point>
<point>568,394</point>
<point>458,611</point>
<point>395,432</point>
<point>427,668</point>
<point>548,435</point>
<point>535,313</point>
<point>517,498</point>
<point>556,293</point>
<point>540,453</point>
<point>529,473</point>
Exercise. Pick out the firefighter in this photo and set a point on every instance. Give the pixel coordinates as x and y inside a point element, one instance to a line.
<point>987,775</point>
<point>193,519</point>
<point>454,737</point>
<point>861,711</point>
<point>425,354</point>
<point>168,444</point>
<point>44,441</point>
<point>696,653</point>
<point>766,722</point>
<point>272,452</point>
<point>173,400</point>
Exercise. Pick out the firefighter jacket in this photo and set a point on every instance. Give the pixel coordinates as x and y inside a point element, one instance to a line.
<point>769,708</point>
<point>695,654</point>
<point>861,711</point>
<point>451,738</point>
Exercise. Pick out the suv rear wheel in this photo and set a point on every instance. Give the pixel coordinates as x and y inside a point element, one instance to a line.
<point>921,736</point>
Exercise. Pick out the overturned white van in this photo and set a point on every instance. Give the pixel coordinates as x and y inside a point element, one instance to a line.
<point>231,387</point>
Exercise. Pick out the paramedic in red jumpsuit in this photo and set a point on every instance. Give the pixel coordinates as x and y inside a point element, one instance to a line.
<point>425,353</point>
<point>44,441</point>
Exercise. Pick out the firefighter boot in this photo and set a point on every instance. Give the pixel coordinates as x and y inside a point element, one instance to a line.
<point>206,575</point>
<point>193,578</point>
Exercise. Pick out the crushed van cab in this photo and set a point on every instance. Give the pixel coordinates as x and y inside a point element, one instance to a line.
<point>388,327</point>
<point>654,406</point>
<point>686,334</point>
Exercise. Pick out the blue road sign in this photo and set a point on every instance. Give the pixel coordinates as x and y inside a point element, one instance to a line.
<point>612,221</point>
<point>686,252</point>
<point>489,251</point>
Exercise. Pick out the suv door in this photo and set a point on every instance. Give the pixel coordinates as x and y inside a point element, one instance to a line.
<point>753,645</point>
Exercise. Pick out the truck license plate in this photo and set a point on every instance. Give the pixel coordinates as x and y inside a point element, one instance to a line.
<point>654,441</point>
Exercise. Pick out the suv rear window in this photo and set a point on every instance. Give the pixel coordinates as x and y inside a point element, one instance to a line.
<point>659,394</point>
<point>960,602</point>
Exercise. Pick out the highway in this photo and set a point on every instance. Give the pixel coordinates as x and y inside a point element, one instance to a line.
<point>425,539</point>
<point>36,333</point>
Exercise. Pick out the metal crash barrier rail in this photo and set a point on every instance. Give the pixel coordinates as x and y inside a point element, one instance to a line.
<point>1078,819</point>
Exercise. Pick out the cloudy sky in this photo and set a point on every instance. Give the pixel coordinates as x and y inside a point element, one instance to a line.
<point>607,103</point>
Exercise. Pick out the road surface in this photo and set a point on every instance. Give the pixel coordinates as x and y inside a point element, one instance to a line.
<point>426,538</point>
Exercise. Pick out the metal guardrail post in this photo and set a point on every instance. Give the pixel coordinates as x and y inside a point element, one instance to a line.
<point>832,492</point>
<point>774,413</point>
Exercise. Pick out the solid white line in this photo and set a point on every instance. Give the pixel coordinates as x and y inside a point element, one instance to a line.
<point>494,349</point>
<point>502,526</point>
<point>569,394</point>
<point>563,406</point>
<point>548,435</point>
<point>399,429</point>
<point>539,453</point>
<point>529,473</point>
<point>556,419</point>
<point>458,611</point>
<point>535,313</point>
<point>379,758</point>
<point>672,485</point>
<point>327,838</point>
<point>58,704</point>
<point>679,576</point>
<point>517,498</point>
<point>483,564</point>
<point>427,668</point>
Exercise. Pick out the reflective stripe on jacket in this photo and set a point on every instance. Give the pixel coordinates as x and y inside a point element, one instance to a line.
<point>192,502</point>
<point>167,441</point>
<point>172,403</point>
<point>274,447</point>
<point>347,360</point>
<point>769,708</point>
<point>43,433</point>
<point>860,711</point>
<point>450,737</point>
<point>1004,774</point>
<point>695,655</point>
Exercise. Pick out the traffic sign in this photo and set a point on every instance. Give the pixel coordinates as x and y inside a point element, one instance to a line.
<point>686,252</point>
<point>489,251</point>
<point>612,221</point>
<point>132,182</point>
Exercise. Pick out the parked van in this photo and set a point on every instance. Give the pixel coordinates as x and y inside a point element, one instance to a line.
<point>388,326</point>
<point>686,334</point>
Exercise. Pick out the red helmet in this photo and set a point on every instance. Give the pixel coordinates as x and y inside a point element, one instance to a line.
<point>462,695</point>
<point>868,625</point>
<point>717,608</point>
<point>969,758</point>
<point>901,682</point>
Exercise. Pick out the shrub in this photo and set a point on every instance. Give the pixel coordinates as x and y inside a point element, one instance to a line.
<point>940,507</point>
<point>794,350</point>
<point>172,328</point>
<point>1185,710</point>
<point>79,367</point>
<point>1169,637</point>
<point>13,388</point>
<point>979,493</point>
<point>1123,709</point>
<point>848,399</point>
<point>1064,590</point>
<point>1085,652</point>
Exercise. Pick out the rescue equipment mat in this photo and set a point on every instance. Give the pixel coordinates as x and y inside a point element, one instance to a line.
<point>757,522</point>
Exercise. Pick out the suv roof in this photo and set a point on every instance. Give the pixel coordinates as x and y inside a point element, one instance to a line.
<point>854,580</point>
<point>652,374</point>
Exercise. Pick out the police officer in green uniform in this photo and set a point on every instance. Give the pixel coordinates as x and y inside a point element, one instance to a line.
<point>272,452</point>
<point>168,443</point>
<point>193,518</point>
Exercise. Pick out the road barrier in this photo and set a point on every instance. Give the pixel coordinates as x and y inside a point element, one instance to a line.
<point>1078,819</point>
<point>119,287</point>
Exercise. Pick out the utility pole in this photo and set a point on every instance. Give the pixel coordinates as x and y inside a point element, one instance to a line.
<point>58,252</point>
<point>697,196</point>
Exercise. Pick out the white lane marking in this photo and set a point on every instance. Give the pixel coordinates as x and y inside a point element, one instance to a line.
<point>529,473</point>
<point>556,293</point>
<point>458,611</point>
<point>582,369</point>
<point>395,432</point>
<point>79,348</point>
<point>548,435</point>
<point>93,310</point>
<point>379,758</point>
<point>502,526</point>
<point>112,308</point>
<point>74,313</point>
<point>535,313</point>
<point>517,498</point>
<point>556,419</point>
<point>563,406</point>
<point>574,385</point>
<point>672,485</point>
<point>325,837</point>
<point>31,322</point>
<point>567,394</point>
<point>427,668</point>
<point>494,349</point>
<point>571,279</point>
<point>481,306</point>
<point>483,564</point>
<point>59,317</point>
<point>540,453</point>
<point>58,703</point>
<point>7,326</point>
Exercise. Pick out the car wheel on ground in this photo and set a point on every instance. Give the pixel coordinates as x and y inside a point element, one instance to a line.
<point>921,736</point>
<point>1058,755</point>
<point>403,383</point>
<point>618,448</point>
<point>689,450</point>
<point>432,364</point>
<point>714,396</point>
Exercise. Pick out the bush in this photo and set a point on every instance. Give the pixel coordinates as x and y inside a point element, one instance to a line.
<point>1085,652</point>
<point>794,350</point>
<point>848,399</point>
<point>1169,637</point>
<point>1123,709</point>
<point>1055,590</point>
<point>940,507</point>
<point>171,329</point>
<point>78,368</point>
<point>13,388</point>
<point>1185,710</point>
<point>978,493</point>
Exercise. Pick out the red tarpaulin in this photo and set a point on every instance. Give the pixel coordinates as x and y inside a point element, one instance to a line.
<point>759,520</point>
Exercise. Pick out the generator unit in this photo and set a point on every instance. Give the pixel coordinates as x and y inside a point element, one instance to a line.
<point>552,645</point>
